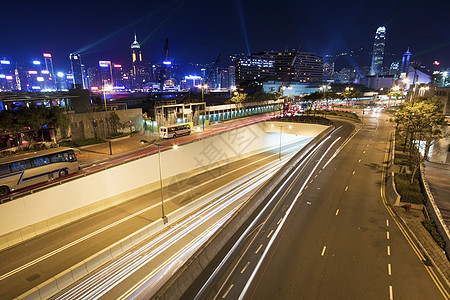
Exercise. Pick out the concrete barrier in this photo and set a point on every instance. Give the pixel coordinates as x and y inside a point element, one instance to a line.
<point>185,276</point>
<point>43,211</point>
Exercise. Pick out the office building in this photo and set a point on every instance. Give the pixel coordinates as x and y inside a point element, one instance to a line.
<point>106,72</point>
<point>77,73</point>
<point>378,51</point>
<point>405,64</point>
<point>290,66</point>
<point>138,68</point>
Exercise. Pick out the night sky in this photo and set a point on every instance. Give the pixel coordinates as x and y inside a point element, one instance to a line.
<point>199,30</point>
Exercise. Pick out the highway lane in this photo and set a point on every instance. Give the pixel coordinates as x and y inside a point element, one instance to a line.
<point>153,261</point>
<point>338,240</point>
<point>29,264</point>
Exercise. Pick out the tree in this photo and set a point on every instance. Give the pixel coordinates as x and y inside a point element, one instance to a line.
<point>311,98</point>
<point>418,120</point>
<point>114,122</point>
<point>239,99</point>
<point>56,119</point>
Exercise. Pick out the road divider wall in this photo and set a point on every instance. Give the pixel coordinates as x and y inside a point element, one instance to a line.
<point>186,275</point>
<point>48,209</point>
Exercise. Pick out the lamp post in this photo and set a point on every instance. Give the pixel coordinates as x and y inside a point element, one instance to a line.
<point>106,88</point>
<point>204,110</point>
<point>281,132</point>
<point>165,220</point>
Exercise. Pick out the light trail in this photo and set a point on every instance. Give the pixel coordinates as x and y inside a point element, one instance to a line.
<point>266,250</point>
<point>97,285</point>
<point>118,222</point>
<point>253,224</point>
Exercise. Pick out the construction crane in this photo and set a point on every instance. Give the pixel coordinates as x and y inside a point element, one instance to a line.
<point>212,69</point>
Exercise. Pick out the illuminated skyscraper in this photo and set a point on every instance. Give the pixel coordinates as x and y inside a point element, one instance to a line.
<point>378,51</point>
<point>48,73</point>
<point>75,63</point>
<point>138,70</point>
<point>405,63</point>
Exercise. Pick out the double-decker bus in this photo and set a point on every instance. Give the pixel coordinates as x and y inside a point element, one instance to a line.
<point>167,132</point>
<point>28,169</point>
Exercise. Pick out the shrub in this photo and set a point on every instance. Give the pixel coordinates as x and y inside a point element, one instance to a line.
<point>410,193</point>
<point>431,228</point>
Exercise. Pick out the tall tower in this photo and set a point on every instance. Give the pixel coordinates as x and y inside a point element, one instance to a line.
<point>405,63</point>
<point>137,64</point>
<point>75,63</point>
<point>378,51</point>
<point>49,68</point>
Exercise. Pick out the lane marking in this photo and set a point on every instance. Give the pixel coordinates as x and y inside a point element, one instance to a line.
<point>388,250</point>
<point>389,269</point>
<point>226,293</point>
<point>408,238</point>
<point>337,212</point>
<point>259,248</point>
<point>359,160</point>
<point>270,233</point>
<point>387,234</point>
<point>353,173</point>
<point>391,293</point>
<point>323,250</point>
<point>243,269</point>
<point>364,151</point>
<point>306,187</point>
<point>258,265</point>
<point>387,223</point>
<point>316,176</point>
<point>279,221</point>
<point>346,188</point>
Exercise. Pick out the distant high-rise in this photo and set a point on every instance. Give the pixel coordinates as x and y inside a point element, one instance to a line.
<point>378,51</point>
<point>405,63</point>
<point>280,66</point>
<point>138,70</point>
<point>77,73</point>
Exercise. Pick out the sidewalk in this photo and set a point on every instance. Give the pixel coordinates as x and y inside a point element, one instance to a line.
<point>438,178</point>
<point>122,145</point>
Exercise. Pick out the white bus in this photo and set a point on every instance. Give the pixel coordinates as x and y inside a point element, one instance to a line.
<point>28,169</point>
<point>167,132</point>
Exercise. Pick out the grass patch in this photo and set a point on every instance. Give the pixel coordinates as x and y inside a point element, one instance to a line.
<point>410,193</point>
<point>80,143</point>
<point>431,228</point>
<point>402,159</point>
<point>338,113</point>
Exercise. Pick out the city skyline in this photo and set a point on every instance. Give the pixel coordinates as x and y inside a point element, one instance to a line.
<point>199,32</point>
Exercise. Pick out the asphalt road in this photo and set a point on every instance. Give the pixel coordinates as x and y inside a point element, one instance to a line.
<point>33,262</point>
<point>328,234</point>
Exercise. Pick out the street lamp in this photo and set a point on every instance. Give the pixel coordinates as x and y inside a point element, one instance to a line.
<point>163,215</point>
<point>106,88</point>
<point>281,132</point>
<point>204,86</point>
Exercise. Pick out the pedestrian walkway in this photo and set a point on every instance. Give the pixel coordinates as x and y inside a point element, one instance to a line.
<point>119,146</point>
<point>438,178</point>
